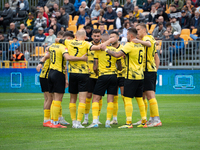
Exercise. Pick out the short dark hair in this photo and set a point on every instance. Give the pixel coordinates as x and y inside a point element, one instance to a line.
<point>116,1</point>
<point>142,25</point>
<point>60,33</point>
<point>68,33</point>
<point>63,8</point>
<point>168,24</point>
<point>133,31</point>
<point>115,32</point>
<point>87,27</point>
<point>96,31</point>
<point>160,23</point>
<point>173,5</point>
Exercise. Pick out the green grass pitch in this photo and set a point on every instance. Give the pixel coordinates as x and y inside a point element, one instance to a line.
<point>21,117</point>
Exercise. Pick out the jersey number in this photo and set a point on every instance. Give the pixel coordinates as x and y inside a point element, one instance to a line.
<point>140,57</point>
<point>76,48</point>
<point>53,56</point>
<point>108,61</point>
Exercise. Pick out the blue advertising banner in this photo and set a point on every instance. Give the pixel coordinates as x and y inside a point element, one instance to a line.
<point>168,81</point>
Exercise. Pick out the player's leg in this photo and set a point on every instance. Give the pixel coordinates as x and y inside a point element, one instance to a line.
<point>62,119</point>
<point>72,108</point>
<point>115,109</point>
<point>100,106</point>
<point>47,104</point>
<point>87,107</point>
<point>110,99</point>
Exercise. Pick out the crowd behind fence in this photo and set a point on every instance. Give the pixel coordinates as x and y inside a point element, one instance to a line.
<point>170,54</point>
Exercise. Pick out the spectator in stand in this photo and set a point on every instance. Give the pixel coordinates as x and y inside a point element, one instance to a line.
<point>18,56</point>
<point>53,22</point>
<point>69,7</point>
<point>138,15</point>
<point>174,12</point>
<point>41,3</point>
<point>109,2</point>
<point>84,6</point>
<point>119,21</point>
<point>104,7</point>
<point>88,22</point>
<point>166,43</point>
<point>177,46</point>
<point>3,46</point>
<point>96,12</point>
<point>24,5</point>
<point>125,30</point>
<point>147,5</point>
<point>88,30</point>
<point>189,5</point>
<point>179,4</point>
<point>52,11</point>
<point>100,17</point>
<point>81,18</point>
<point>196,38</point>
<point>41,9</point>
<point>13,4</point>
<point>195,21</point>
<point>170,29</point>
<point>50,3</point>
<point>151,17</point>
<point>192,14</point>
<point>13,32</point>
<point>134,24</point>
<point>184,21</point>
<point>40,37</point>
<point>102,29</point>
<point>62,17</point>
<point>157,5</point>
<point>140,3</point>
<point>50,39</point>
<point>14,45</point>
<point>175,24</point>
<point>118,7</point>
<point>131,18</point>
<point>128,6</point>
<point>29,22</point>
<point>77,4</point>
<point>160,12</point>
<point>161,20</point>
<point>109,16</point>
<point>94,4</point>
<point>6,17</point>
<point>39,22</point>
<point>22,31</point>
<point>159,31</point>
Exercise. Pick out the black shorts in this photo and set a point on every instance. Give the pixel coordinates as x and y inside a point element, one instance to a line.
<point>56,82</point>
<point>150,81</point>
<point>78,83</point>
<point>91,84</point>
<point>120,81</point>
<point>106,82</point>
<point>133,88</point>
<point>44,85</point>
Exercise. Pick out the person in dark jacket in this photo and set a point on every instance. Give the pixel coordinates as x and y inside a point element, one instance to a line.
<point>81,19</point>
<point>40,37</point>
<point>29,22</point>
<point>140,3</point>
<point>63,17</point>
<point>109,16</point>
<point>118,7</point>
<point>13,32</point>
<point>119,21</point>
<point>4,45</point>
<point>128,6</point>
<point>195,21</point>
<point>41,3</point>
<point>147,5</point>
<point>184,21</point>
<point>6,17</point>
<point>69,7</point>
<point>160,12</point>
<point>24,5</point>
<point>88,30</point>
<point>131,18</point>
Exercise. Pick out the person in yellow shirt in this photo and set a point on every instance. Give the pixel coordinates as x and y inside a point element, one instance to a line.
<point>150,64</point>
<point>105,67</point>
<point>133,84</point>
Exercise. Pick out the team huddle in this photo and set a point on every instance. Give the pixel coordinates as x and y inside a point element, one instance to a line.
<point>95,68</point>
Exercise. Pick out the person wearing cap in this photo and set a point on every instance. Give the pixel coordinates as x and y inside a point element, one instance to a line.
<point>174,11</point>
<point>40,37</point>
<point>184,21</point>
<point>18,56</point>
<point>175,24</point>
<point>13,32</point>
<point>29,22</point>
<point>177,46</point>
<point>14,45</point>
<point>179,4</point>
<point>22,31</point>
<point>41,21</point>
<point>160,12</point>
<point>195,21</point>
<point>159,31</point>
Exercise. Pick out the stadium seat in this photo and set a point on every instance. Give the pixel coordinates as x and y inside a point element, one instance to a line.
<point>95,26</point>
<point>152,28</point>
<point>32,38</point>
<point>39,51</point>
<point>73,22</point>
<point>105,27</point>
<point>94,21</point>
<point>167,11</point>
<point>194,31</point>
<point>80,27</point>
<point>185,32</point>
<point>70,18</point>
<point>185,37</point>
<point>110,27</point>
<point>10,42</point>
<point>22,15</point>
<point>127,16</point>
<point>140,10</point>
<point>76,17</point>
<point>72,28</point>
<point>147,27</point>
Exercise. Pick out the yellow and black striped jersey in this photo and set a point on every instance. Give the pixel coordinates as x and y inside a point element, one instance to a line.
<point>106,62</point>
<point>78,49</point>
<point>149,61</point>
<point>57,61</point>
<point>45,70</point>
<point>134,60</point>
<point>123,71</point>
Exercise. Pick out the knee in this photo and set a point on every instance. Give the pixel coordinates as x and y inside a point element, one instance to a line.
<point>89,95</point>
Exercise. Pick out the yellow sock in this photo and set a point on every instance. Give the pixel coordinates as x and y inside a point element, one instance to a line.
<point>146,106</point>
<point>115,106</point>
<point>128,109</point>
<point>142,108</point>
<point>95,110</point>
<point>60,114</point>
<point>154,107</point>
<point>51,111</point>
<point>56,110</point>
<point>100,106</point>
<point>109,110</point>
<point>72,109</point>
<point>87,106</point>
<point>81,111</point>
<point>46,114</point>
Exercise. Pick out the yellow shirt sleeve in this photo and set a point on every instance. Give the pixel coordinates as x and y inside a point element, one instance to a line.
<point>67,42</point>
<point>146,38</point>
<point>96,54</point>
<point>64,49</point>
<point>126,49</point>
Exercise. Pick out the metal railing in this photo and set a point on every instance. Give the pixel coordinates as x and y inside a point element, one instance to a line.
<point>171,57</point>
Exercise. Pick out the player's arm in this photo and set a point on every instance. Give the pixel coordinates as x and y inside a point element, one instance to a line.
<point>157,60</point>
<point>119,65</point>
<point>59,40</point>
<point>103,45</point>
<point>43,59</point>
<point>115,54</point>
<point>95,66</point>
<point>145,43</point>
<point>66,77</point>
<point>74,58</point>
